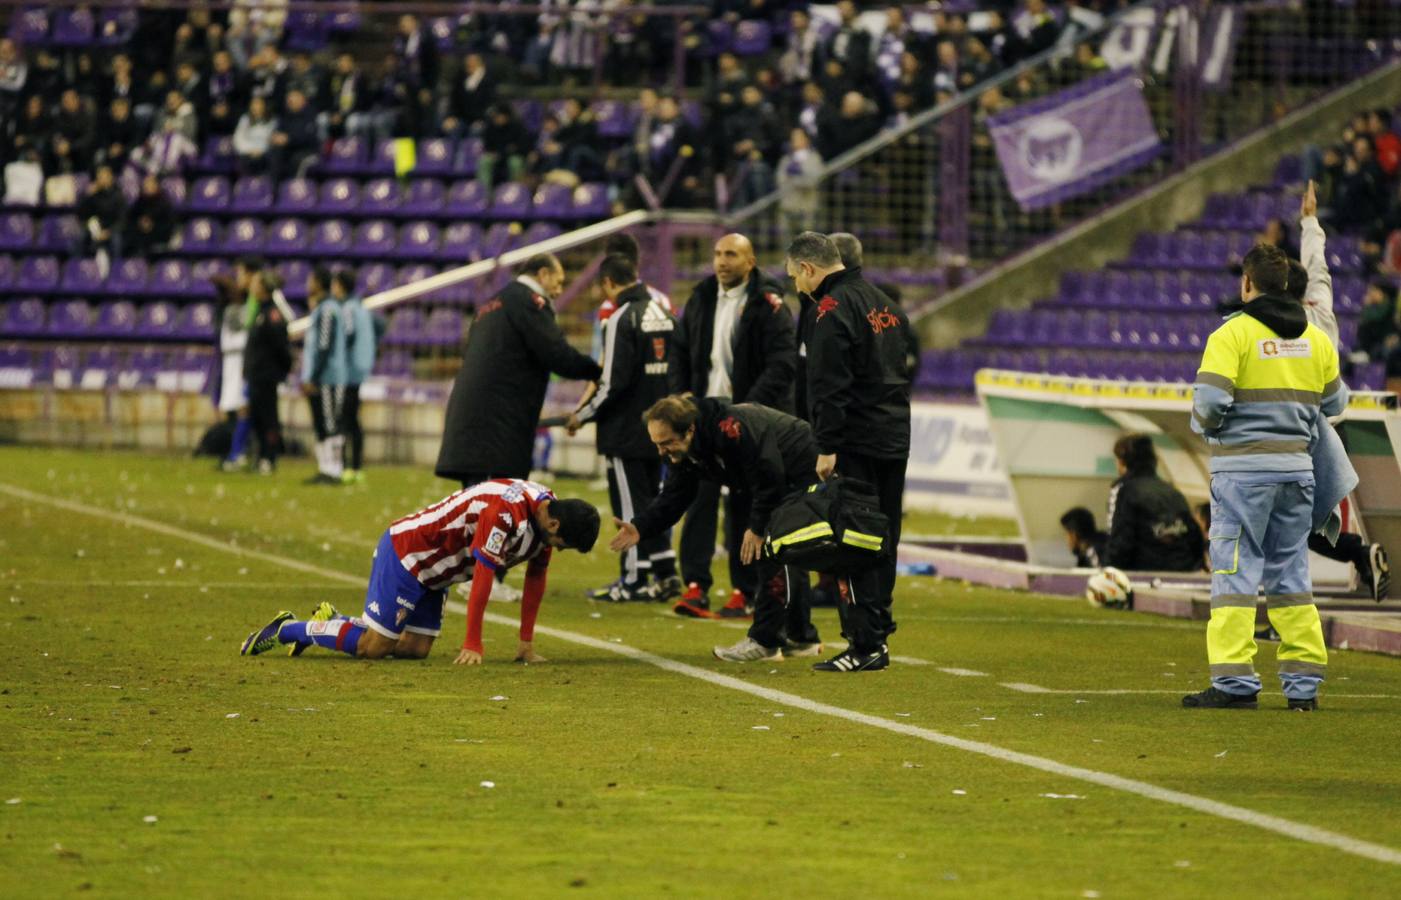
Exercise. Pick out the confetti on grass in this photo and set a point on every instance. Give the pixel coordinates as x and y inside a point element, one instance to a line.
<point>150,820</point>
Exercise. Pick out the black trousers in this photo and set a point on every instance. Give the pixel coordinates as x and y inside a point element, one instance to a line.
<point>782,606</point>
<point>327,406</point>
<point>632,486</point>
<point>350,427</point>
<point>1350,548</point>
<point>866,598</point>
<point>698,539</point>
<point>263,413</point>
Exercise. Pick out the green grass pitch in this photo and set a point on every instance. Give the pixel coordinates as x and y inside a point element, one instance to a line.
<point>141,756</point>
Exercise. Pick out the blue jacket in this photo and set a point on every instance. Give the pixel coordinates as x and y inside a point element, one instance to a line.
<point>324,352</point>
<point>361,340</point>
<point>1333,478</point>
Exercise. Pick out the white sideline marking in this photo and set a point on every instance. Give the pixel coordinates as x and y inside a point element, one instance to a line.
<point>172,582</point>
<point>964,673</point>
<point>1298,831</point>
<point>911,661</point>
<point>1038,689</point>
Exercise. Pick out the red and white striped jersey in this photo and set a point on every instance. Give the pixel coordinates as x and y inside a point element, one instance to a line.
<point>492,523</point>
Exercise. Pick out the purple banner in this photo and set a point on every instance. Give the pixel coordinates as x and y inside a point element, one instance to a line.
<point>1073,141</point>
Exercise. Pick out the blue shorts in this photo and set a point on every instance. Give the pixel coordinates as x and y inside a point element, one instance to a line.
<point>396,601</point>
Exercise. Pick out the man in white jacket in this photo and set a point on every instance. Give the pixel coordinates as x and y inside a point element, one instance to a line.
<point>1311,283</point>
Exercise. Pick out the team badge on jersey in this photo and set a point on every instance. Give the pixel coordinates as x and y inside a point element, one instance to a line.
<point>495,541</point>
<point>659,347</point>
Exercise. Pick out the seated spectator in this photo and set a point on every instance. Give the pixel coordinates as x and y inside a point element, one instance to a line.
<point>1037,27</point>
<point>305,76</point>
<point>150,221</point>
<point>193,88</point>
<point>856,124</point>
<point>14,75</point>
<point>165,152</point>
<point>74,123</point>
<point>799,60</point>
<point>121,134</point>
<point>505,140</point>
<point>815,115</point>
<point>472,95</point>
<point>181,113</point>
<point>1083,537</point>
<point>849,44</point>
<point>753,139</point>
<point>33,131</point>
<point>348,99</point>
<point>253,138</point>
<point>102,210</point>
<point>578,134</point>
<point>674,153</point>
<point>297,141</point>
<point>913,80</point>
<point>1150,526</point>
<point>797,182</point>
<point>1376,326</point>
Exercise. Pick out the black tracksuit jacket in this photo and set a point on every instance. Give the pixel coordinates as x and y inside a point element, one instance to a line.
<point>636,360</point>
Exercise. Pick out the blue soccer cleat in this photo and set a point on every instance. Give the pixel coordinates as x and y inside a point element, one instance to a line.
<point>324,612</point>
<point>265,638</point>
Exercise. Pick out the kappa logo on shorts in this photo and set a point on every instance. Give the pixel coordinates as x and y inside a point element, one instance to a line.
<point>1271,348</point>
<point>374,607</point>
<point>495,540</point>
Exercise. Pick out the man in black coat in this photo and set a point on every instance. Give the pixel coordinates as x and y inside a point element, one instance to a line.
<point>636,349</point>
<point>853,343</point>
<point>1151,528</point>
<point>736,341</point>
<point>755,451</point>
<point>267,358</point>
<point>496,398</point>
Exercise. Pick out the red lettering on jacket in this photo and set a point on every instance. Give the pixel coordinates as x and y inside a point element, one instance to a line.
<point>729,426</point>
<point>880,321</point>
<point>824,306</point>
<point>488,308</point>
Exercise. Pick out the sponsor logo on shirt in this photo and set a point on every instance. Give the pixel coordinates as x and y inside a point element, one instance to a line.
<point>729,427</point>
<point>1280,348</point>
<point>824,306</point>
<point>659,348</point>
<point>404,603</point>
<point>495,541</point>
<point>880,321</point>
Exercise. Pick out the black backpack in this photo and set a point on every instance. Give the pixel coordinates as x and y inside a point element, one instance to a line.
<point>835,527</point>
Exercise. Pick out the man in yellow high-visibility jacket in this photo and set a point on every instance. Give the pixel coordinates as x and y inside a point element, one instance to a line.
<point>1266,377</point>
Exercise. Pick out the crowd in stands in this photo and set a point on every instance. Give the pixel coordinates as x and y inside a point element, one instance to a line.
<point>140,95</point>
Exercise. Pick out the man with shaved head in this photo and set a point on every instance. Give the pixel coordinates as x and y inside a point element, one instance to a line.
<point>735,340</point>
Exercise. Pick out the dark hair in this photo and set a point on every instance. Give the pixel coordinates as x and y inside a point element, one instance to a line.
<point>849,247</point>
<point>537,262</point>
<point>251,263</point>
<point>1136,452</point>
<point>618,269</point>
<point>679,412</point>
<point>1298,280</point>
<point>578,523</point>
<point>346,279</point>
<point>322,276</point>
<point>1267,268</point>
<point>623,245</point>
<point>815,249</point>
<point>1079,522</point>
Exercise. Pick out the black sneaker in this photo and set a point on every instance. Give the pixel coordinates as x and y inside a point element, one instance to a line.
<point>851,661</point>
<point>666,590</point>
<point>1304,705</point>
<point>1211,698</point>
<point>1380,582</point>
<point>622,592</point>
<point>322,478</point>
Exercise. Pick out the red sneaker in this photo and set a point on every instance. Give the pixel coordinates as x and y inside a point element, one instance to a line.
<point>694,603</point>
<point>738,607</point>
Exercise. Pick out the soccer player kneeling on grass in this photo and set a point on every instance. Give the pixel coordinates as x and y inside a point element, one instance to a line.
<point>467,536</point>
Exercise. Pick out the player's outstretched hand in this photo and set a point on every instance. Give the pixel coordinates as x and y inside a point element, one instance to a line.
<point>626,537</point>
<point>826,465</point>
<point>468,658</point>
<point>750,548</point>
<point>1309,206</point>
<point>525,653</point>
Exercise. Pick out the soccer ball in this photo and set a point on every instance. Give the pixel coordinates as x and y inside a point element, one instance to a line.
<point>1109,588</point>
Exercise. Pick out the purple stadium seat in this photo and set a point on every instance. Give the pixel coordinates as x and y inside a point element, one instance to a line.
<point>305,31</point>
<point>200,237</point>
<point>37,275</point>
<point>338,196</point>
<point>462,243</point>
<point>426,197</point>
<point>71,318</point>
<point>413,274</point>
<point>418,240</point>
<point>471,154</point>
<point>128,278</point>
<point>554,201</point>
<point>375,278</point>
<point>16,366</point>
<point>394,364</point>
<point>531,114</point>
<point>16,231</point>
<point>204,270</point>
<point>434,157</point>
<point>59,234</point>
<point>252,196</point>
<point>374,238</point>
<point>331,238</point>
<point>293,273</point>
<point>60,366</point>
<point>511,201</point>
<point>73,28</point>
<point>25,318</point>
<point>116,27</point>
<point>172,278</point>
<point>245,236</point>
<point>156,320</point>
<point>288,237</point>
<point>175,190</point>
<point>197,323</point>
<point>345,22</point>
<point>466,200</point>
<point>443,328</point>
<point>405,327</point>
<point>381,197</point>
<point>497,240</point>
<point>209,194</point>
<point>752,37</point>
<point>540,231</point>
<point>116,320</point>
<point>81,276</point>
<point>7,273</point>
<point>613,118</point>
<point>444,31</point>
<point>218,155</point>
<point>590,201</point>
<point>296,196</point>
<point>30,27</point>
<point>347,156</point>
<point>382,160</point>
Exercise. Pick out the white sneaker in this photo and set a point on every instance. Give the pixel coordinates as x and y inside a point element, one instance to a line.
<point>792,649</point>
<point>748,650</point>
<point>501,592</point>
